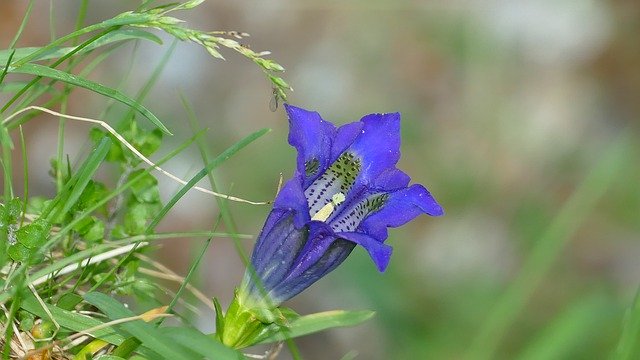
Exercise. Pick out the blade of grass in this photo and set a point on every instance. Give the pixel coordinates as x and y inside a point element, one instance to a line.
<point>222,205</point>
<point>71,320</point>
<point>142,94</point>
<point>547,249</point>
<point>146,333</point>
<point>119,35</point>
<point>84,255</point>
<point>13,281</point>
<point>52,23</point>
<point>224,210</point>
<point>3,74</point>
<point>191,183</point>
<point>117,22</point>
<point>313,323</point>
<point>224,156</point>
<point>204,345</point>
<point>58,98</point>
<point>44,71</point>
<point>629,345</point>
<point>84,175</point>
<point>54,65</point>
<point>574,328</point>
<point>15,86</point>
<point>25,166</point>
<point>7,146</point>
<point>23,24</point>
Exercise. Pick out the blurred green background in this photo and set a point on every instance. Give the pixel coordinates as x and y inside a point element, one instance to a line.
<point>507,107</point>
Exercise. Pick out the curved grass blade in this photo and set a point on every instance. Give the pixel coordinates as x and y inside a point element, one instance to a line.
<point>629,345</point>
<point>79,182</point>
<point>570,331</point>
<point>150,337</point>
<point>202,173</point>
<point>58,52</point>
<point>44,71</point>
<point>313,323</point>
<point>71,320</point>
<point>117,22</point>
<point>202,344</point>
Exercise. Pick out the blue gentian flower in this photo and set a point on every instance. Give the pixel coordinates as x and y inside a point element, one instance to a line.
<point>346,191</point>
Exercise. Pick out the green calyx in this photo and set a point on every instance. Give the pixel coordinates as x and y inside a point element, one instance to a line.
<point>243,325</point>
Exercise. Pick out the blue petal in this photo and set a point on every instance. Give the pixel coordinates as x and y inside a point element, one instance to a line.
<point>392,179</point>
<point>320,237</point>
<point>332,254</point>
<point>401,207</point>
<point>378,145</point>
<point>275,251</point>
<point>312,137</point>
<point>345,136</point>
<point>321,253</point>
<point>380,253</point>
<point>291,197</point>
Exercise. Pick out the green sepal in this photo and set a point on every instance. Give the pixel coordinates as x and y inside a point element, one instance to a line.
<point>244,325</point>
<point>219,319</point>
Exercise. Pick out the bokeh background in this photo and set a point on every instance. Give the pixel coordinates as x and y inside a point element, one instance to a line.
<point>507,107</point>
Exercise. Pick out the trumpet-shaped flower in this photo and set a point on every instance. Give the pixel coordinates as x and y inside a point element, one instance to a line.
<point>346,191</point>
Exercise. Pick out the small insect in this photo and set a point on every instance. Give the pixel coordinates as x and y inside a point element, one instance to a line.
<point>274,103</point>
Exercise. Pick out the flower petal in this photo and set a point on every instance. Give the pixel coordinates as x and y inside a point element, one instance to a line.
<point>345,136</point>
<point>322,253</point>
<point>312,137</point>
<point>277,247</point>
<point>380,252</point>
<point>392,179</point>
<point>291,197</point>
<point>400,207</point>
<point>378,145</point>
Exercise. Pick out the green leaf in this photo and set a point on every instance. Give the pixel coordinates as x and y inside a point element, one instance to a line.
<point>629,345</point>
<point>569,331</point>
<point>202,344</point>
<point>71,320</point>
<point>93,192</point>
<point>149,142</point>
<point>57,52</point>
<point>33,235</point>
<point>14,208</point>
<point>95,232</point>
<point>78,183</point>
<point>36,204</point>
<point>69,301</point>
<point>26,320</point>
<point>313,323</point>
<point>45,71</point>
<point>150,337</point>
<point>15,86</point>
<point>145,189</point>
<point>224,156</point>
<point>219,319</point>
<point>18,252</point>
<point>136,217</point>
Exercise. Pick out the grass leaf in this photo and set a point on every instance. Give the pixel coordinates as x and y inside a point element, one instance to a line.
<point>313,323</point>
<point>57,52</point>
<point>150,337</point>
<point>629,345</point>
<point>45,71</point>
<point>71,320</point>
<point>202,344</point>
